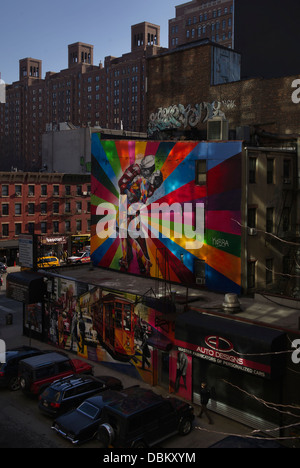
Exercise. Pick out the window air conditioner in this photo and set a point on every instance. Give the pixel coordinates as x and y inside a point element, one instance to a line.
<point>217,129</point>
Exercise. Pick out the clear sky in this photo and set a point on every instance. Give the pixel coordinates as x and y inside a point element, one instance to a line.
<point>43,29</point>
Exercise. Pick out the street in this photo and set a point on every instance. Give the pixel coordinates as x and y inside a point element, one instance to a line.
<point>22,425</point>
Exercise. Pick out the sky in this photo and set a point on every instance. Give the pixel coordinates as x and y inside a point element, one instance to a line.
<point>43,29</point>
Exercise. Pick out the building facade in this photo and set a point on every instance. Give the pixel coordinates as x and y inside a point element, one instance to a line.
<point>200,19</point>
<point>265,115</point>
<point>53,206</point>
<point>110,95</point>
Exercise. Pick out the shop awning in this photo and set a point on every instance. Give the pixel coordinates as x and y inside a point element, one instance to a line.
<point>25,286</point>
<point>254,349</point>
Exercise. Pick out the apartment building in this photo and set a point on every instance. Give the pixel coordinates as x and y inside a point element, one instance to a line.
<point>201,19</point>
<point>54,206</point>
<point>110,95</point>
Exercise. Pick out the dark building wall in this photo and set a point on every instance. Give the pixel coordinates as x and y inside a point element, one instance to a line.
<point>267,35</point>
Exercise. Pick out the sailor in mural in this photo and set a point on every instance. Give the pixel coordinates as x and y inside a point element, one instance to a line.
<point>138,183</point>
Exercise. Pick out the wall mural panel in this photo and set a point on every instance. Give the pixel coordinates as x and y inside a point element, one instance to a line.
<point>131,178</point>
<point>120,330</point>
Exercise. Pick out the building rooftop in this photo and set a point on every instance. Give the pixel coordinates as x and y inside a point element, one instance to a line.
<point>267,309</point>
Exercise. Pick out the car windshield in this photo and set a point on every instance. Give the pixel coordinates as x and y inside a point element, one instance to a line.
<point>51,394</point>
<point>89,410</point>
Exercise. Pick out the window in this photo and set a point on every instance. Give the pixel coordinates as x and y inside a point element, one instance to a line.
<point>201,172</point>
<point>18,229</point>
<point>68,226</point>
<point>55,226</point>
<point>18,190</point>
<point>5,191</point>
<point>5,230</point>
<point>31,190</point>
<point>5,209</point>
<point>286,219</point>
<point>31,208</point>
<point>251,274</point>
<point>269,219</point>
<point>18,208</point>
<point>31,228</point>
<point>252,217</point>
<point>270,171</point>
<point>252,170</point>
<point>79,190</point>
<point>78,225</point>
<point>68,190</point>
<point>43,190</point>
<point>68,207</point>
<point>43,208</point>
<point>43,227</point>
<point>56,207</point>
<point>78,207</point>
<point>269,270</point>
<point>55,189</point>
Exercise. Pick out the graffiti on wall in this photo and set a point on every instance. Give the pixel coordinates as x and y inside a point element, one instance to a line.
<point>180,116</point>
<point>117,167</point>
<point>113,327</point>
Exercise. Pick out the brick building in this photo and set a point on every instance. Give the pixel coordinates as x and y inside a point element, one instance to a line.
<point>264,114</point>
<point>109,96</point>
<point>56,207</point>
<point>264,33</point>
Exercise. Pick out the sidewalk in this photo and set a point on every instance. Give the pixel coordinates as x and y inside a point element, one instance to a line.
<point>202,437</point>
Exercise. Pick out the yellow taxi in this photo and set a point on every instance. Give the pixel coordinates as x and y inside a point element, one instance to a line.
<point>45,262</point>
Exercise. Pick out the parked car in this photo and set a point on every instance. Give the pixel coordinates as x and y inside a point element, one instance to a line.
<point>81,424</point>
<point>46,262</point>
<point>82,257</point>
<point>37,373</point>
<point>9,369</point>
<point>3,267</point>
<point>66,394</point>
<point>143,419</point>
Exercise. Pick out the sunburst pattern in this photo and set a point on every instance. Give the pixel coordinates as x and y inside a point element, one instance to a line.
<point>163,255</point>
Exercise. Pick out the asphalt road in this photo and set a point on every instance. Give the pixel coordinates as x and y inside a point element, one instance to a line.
<point>22,425</point>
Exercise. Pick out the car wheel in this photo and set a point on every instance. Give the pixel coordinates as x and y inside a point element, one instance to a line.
<point>14,384</point>
<point>139,444</point>
<point>24,384</point>
<point>185,426</point>
<point>105,435</point>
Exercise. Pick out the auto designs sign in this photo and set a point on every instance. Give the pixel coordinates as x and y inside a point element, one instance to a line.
<point>221,351</point>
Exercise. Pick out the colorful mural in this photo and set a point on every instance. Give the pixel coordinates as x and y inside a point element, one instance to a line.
<point>133,180</point>
<point>119,329</point>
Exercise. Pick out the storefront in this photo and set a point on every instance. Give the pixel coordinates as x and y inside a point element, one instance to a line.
<point>243,364</point>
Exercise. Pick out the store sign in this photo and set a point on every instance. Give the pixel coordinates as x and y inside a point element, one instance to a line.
<point>51,240</point>
<point>220,350</point>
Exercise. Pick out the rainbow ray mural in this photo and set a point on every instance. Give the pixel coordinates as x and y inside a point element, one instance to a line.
<point>146,200</point>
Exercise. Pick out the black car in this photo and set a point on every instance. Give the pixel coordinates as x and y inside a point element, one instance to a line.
<point>65,394</point>
<point>9,370</point>
<point>143,419</point>
<point>81,424</point>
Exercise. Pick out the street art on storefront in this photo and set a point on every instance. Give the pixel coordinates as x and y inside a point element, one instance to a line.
<point>121,330</point>
<point>148,174</point>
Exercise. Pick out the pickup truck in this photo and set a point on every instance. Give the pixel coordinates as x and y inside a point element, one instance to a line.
<point>38,372</point>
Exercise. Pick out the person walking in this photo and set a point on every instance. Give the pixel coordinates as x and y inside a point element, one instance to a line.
<point>205,396</point>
